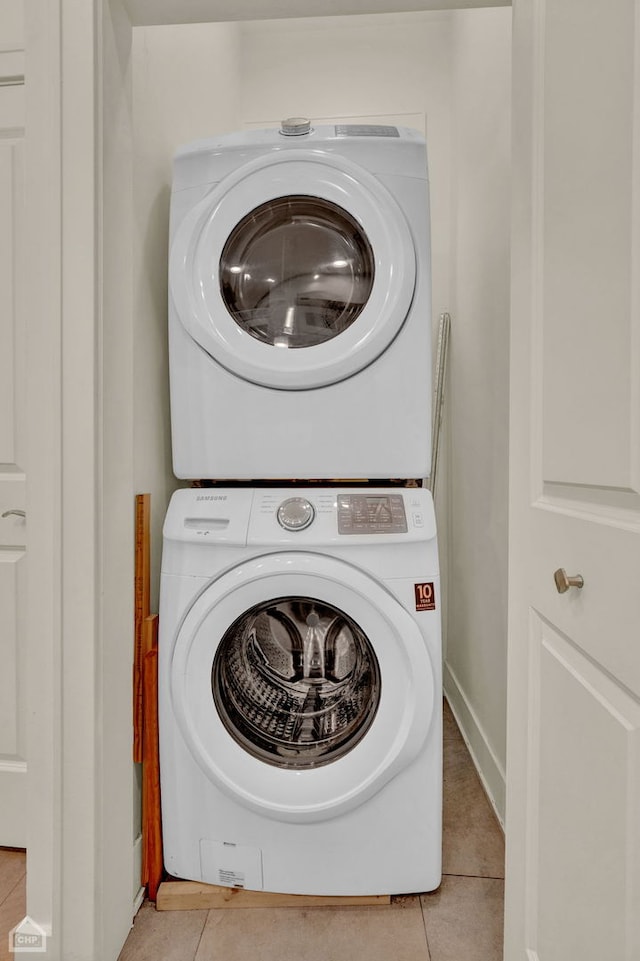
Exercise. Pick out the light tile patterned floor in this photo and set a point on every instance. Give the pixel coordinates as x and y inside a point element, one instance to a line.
<point>12,896</point>
<point>461,921</point>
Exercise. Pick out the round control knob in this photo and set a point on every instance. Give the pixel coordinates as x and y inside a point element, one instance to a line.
<point>295,514</point>
<point>295,126</point>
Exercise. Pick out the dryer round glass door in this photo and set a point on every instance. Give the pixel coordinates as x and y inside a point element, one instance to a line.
<point>312,254</point>
<point>296,272</point>
<point>301,685</point>
<point>296,682</point>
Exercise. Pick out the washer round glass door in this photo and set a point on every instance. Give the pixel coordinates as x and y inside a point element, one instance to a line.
<point>294,274</point>
<point>301,685</point>
<point>296,682</point>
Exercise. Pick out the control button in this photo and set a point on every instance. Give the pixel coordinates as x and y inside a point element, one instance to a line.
<point>295,514</point>
<point>295,127</point>
<point>418,519</point>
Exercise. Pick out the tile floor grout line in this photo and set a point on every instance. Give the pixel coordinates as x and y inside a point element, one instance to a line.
<point>424,925</point>
<point>479,877</point>
<point>204,924</point>
<point>20,880</point>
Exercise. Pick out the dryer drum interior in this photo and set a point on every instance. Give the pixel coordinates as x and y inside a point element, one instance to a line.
<point>296,271</point>
<point>296,682</point>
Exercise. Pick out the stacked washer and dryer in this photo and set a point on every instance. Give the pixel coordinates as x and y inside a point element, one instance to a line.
<point>300,643</point>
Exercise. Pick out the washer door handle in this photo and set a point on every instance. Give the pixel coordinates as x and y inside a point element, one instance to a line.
<point>17,513</point>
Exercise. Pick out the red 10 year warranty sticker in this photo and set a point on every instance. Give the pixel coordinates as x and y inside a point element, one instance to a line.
<point>425,597</point>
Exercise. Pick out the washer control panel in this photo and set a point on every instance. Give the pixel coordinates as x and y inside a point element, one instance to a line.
<point>295,513</point>
<point>315,516</point>
<point>371,514</point>
<point>300,518</point>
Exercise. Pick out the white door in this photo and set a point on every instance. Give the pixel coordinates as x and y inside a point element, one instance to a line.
<point>12,471</point>
<point>573,804</point>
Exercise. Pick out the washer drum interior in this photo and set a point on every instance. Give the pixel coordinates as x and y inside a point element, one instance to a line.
<point>296,682</point>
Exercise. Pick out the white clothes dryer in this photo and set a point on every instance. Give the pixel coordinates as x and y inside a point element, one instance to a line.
<point>300,305</point>
<point>300,690</point>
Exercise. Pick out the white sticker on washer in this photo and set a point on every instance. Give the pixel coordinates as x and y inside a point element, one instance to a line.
<point>230,864</point>
<point>230,879</point>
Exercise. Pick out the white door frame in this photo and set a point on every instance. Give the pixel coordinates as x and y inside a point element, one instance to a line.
<point>80,445</point>
<point>80,415</point>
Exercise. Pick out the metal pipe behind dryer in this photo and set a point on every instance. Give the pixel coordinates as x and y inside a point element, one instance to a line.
<point>438,397</point>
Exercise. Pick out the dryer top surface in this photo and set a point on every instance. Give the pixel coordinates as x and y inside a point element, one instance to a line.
<point>210,160</point>
<point>323,133</point>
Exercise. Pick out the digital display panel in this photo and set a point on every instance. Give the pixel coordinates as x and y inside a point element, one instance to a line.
<point>371,514</point>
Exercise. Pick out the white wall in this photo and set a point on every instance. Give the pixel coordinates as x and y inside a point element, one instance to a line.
<point>475,668</point>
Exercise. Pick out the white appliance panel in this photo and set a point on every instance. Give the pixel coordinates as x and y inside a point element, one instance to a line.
<point>323,813</point>
<point>317,369</point>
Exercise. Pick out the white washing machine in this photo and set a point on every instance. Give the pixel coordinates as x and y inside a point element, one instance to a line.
<point>300,690</point>
<point>300,305</point>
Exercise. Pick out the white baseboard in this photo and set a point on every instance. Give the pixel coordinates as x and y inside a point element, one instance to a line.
<point>137,901</point>
<point>489,769</point>
<point>138,890</point>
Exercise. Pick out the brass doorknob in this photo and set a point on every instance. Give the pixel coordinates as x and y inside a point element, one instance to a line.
<point>564,582</point>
